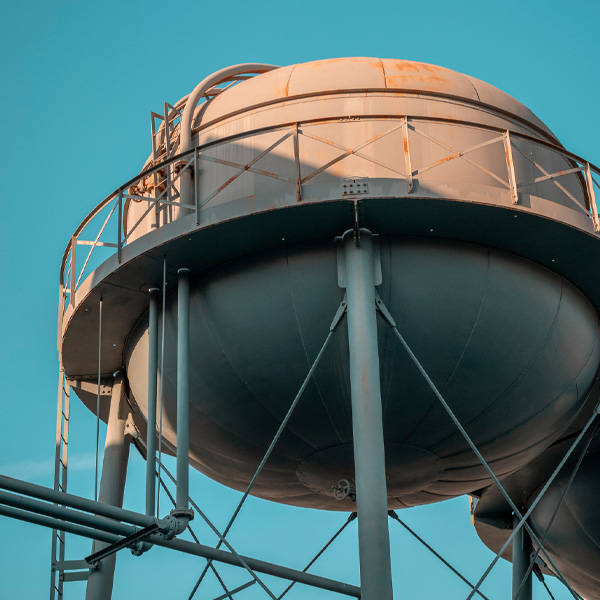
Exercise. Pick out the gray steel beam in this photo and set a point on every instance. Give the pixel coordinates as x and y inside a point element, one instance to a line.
<point>112,487</point>
<point>183,389</point>
<point>66,514</point>
<point>43,493</point>
<point>152,395</point>
<point>521,557</point>
<point>367,423</point>
<point>188,548</point>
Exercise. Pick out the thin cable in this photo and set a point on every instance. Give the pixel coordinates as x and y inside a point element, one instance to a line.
<point>270,449</point>
<point>98,399</point>
<point>351,518</point>
<point>481,459</point>
<point>162,376</point>
<point>236,590</point>
<point>222,539</point>
<point>560,501</point>
<point>395,516</point>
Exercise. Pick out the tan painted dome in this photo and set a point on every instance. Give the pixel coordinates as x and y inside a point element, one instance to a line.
<point>351,75</point>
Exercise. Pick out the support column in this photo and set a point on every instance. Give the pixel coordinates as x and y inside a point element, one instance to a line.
<point>367,424</point>
<point>183,390</point>
<point>152,394</point>
<point>112,487</point>
<point>521,557</point>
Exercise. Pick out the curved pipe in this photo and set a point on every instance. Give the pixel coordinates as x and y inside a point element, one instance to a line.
<point>185,139</point>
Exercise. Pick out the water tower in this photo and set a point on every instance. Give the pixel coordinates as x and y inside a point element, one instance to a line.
<point>319,253</point>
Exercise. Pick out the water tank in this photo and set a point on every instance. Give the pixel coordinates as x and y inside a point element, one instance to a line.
<point>483,253</point>
<point>565,518</point>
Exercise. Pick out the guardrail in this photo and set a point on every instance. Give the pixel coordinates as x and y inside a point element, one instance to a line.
<point>108,215</point>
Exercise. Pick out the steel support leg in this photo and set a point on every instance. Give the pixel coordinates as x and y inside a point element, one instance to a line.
<point>183,390</point>
<point>369,455</point>
<point>152,393</point>
<point>521,556</point>
<point>112,487</point>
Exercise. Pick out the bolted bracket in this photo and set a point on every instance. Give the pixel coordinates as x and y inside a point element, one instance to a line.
<point>175,523</point>
<point>341,260</point>
<point>131,429</point>
<point>134,541</point>
<point>339,315</point>
<point>384,312</point>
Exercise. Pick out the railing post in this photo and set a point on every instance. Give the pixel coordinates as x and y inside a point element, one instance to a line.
<point>510,167</point>
<point>297,159</point>
<point>407,161</point>
<point>73,269</point>
<point>120,225</point>
<point>592,197</point>
<point>61,311</point>
<point>196,178</point>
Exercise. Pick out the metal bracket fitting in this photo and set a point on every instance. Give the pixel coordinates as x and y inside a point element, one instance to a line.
<point>129,541</point>
<point>339,315</point>
<point>131,429</point>
<point>383,311</point>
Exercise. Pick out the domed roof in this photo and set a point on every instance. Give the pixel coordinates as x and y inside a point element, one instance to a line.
<point>339,75</point>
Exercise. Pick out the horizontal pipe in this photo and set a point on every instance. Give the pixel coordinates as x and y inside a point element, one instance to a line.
<point>65,514</point>
<point>43,493</point>
<point>94,532</point>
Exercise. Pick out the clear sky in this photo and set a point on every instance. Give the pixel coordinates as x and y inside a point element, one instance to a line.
<point>79,82</point>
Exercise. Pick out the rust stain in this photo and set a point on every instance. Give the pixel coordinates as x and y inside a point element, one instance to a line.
<point>352,60</point>
<point>406,150</point>
<point>414,67</point>
<point>431,82</point>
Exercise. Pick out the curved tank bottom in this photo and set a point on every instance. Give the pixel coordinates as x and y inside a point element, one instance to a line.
<point>573,539</point>
<point>511,345</point>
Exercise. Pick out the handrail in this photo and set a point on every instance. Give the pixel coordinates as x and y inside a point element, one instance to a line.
<point>204,86</point>
<point>195,152</point>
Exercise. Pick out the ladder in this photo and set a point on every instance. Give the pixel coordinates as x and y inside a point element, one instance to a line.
<point>62,570</point>
<point>165,141</point>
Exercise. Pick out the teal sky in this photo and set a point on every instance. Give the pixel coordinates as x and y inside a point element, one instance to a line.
<point>79,82</point>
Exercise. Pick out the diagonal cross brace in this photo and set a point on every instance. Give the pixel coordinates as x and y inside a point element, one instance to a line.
<point>522,520</point>
<point>337,319</point>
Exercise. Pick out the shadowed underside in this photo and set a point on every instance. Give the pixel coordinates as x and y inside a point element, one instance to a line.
<point>512,346</point>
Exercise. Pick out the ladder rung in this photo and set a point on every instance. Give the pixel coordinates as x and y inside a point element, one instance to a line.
<point>70,565</point>
<point>75,576</point>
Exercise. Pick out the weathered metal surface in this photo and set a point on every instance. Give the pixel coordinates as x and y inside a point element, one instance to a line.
<point>438,155</point>
<point>501,322</point>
